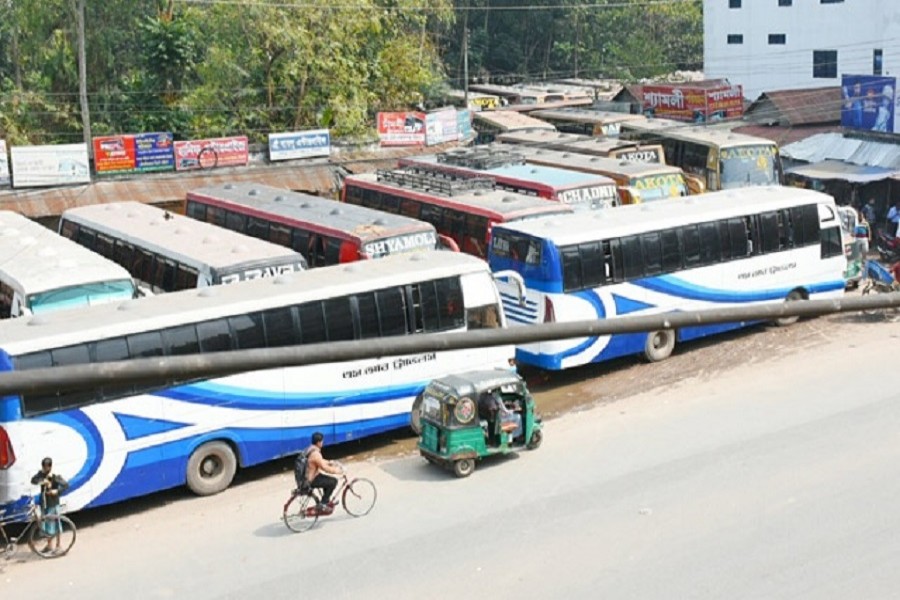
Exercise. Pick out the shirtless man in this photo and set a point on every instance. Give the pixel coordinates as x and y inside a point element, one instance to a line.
<point>319,471</point>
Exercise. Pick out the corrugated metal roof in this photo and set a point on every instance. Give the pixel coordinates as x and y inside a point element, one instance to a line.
<point>810,106</point>
<point>785,135</point>
<point>834,146</point>
<point>836,169</point>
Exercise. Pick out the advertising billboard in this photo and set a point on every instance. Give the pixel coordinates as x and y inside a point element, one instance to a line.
<point>39,166</point>
<point>133,153</point>
<point>299,144</point>
<point>4,164</point>
<point>441,126</point>
<point>401,128</point>
<point>867,102</point>
<point>211,153</point>
<point>464,124</point>
<point>696,104</point>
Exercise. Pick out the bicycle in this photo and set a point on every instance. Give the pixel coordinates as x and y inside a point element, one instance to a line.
<point>38,528</point>
<point>301,512</point>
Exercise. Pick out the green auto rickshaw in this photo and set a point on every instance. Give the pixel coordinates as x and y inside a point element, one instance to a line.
<point>471,415</point>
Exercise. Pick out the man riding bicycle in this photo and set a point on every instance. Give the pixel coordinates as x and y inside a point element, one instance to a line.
<point>317,473</point>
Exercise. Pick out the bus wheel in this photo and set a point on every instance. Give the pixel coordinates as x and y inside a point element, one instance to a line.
<point>659,345</point>
<point>211,468</point>
<point>415,415</point>
<point>794,296</point>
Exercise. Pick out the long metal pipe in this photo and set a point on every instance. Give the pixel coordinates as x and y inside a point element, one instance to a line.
<point>217,364</point>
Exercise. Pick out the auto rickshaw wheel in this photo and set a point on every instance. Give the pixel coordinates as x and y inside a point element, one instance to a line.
<point>536,438</point>
<point>415,415</point>
<point>463,467</point>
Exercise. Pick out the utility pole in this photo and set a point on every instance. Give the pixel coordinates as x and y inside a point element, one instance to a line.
<point>465,47</point>
<point>82,76</point>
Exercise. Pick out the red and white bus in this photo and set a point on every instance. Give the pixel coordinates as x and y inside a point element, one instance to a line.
<point>461,209</point>
<point>509,171</point>
<point>325,232</point>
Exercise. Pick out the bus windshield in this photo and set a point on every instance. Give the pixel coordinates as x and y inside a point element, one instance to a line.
<point>81,295</point>
<point>412,242</point>
<point>659,187</point>
<point>748,165</point>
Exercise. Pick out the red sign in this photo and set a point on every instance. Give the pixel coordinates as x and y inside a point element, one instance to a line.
<point>694,103</point>
<point>208,154</point>
<point>401,128</point>
<point>114,153</point>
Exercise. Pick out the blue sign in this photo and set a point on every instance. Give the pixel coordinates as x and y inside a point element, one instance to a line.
<point>299,144</point>
<point>868,102</point>
<point>464,124</point>
<point>154,152</point>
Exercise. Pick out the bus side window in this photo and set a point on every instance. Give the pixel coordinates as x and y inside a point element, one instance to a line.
<point>410,208</point>
<point>315,252</point>
<point>571,264</point>
<point>392,312</point>
<point>86,237</point>
<point>710,246</point>
<point>389,202</point>
<point>214,336</point>
<point>338,319</point>
<point>312,323</point>
<point>104,246</point>
<point>185,278</point>
<point>632,259</point>
<point>280,234</point>
<point>737,230</point>
<point>6,296</point>
<point>215,215</point>
<point>300,243</point>
<point>196,210</point>
<point>332,251</point>
<point>180,340</point>
<point>257,228</point>
<point>592,265</point>
<point>365,312</point>
<point>768,232</point>
<point>123,254</point>
<point>690,242</point>
<point>69,230</point>
<point>247,331</point>
<point>236,222</point>
<point>671,254</point>
<point>652,253</point>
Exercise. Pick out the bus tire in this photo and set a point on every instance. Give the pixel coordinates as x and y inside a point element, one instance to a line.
<point>659,345</point>
<point>211,468</point>
<point>794,296</point>
<point>415,415</point>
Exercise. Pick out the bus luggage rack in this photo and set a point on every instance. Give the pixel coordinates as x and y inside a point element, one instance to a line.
<point>481,158</point>
<point>435,181</point>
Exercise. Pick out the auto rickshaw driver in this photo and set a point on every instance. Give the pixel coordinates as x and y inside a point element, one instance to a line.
<point>491,408</point>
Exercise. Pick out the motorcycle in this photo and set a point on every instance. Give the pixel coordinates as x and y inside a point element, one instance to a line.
<point>888,247</point>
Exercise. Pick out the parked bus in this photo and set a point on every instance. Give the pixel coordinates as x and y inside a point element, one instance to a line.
<point>167,252</point>
<point>477,101</point>
<point>463,209</point>
<point>637,182</point>
<point>324,231</point>
<point>489,124</point>
<point>581,191</point>
<point>723,159</point>
<point>41,271</point>
<point>125,440</point>
<point>585,121</point>
<point>583,144</point>
<point>716,250</point>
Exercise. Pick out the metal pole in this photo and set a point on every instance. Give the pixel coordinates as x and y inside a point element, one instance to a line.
<point>199,366</point>
<point>466,59</point>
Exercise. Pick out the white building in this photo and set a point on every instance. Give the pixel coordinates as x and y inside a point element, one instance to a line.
<point>767,45</point>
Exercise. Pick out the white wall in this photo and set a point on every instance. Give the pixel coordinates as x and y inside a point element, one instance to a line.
<point>853,27</point>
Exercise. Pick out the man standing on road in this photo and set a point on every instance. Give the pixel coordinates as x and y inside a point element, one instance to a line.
<point>52,486</point>
<point>893,219</point>
<point>317,473</point>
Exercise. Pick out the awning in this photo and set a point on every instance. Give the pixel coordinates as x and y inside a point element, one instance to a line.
<point>835,169</point>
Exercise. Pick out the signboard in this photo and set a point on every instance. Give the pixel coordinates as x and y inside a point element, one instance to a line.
<point>426,240</point>
<point>868,102</point>
<point>133,153</point>
<point>440,127</point>
<point>595,197</point>
<point>644,154</point>
<point>692,103</point>
<point>208,154</point>
<point>464,125</point>
<point>299,144</point>
<point>38,166</point>
<point>4,164</point>
<point>401,128</point>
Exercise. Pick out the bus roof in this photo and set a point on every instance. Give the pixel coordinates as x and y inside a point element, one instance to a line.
<point>540,136</point>
<point>187,240</point>
<point>584,115</point>
<point>508,120</point>
<point>39,259</point>
<point>636,218</point>
<point>64,327</point>
<point>554,176</point>
<point>509,206</point>
<point>595,164</point>
<point>358,222</point>
<point>722,138</point>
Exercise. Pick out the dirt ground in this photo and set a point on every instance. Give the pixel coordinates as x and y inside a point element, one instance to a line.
<point>557,393</point>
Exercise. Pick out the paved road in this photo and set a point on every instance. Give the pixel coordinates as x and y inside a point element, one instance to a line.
<point>773,480</point>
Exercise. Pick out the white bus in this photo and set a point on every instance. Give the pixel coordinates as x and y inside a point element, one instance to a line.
<point>124,440</point>
<point>41,271</point>
<point>168,252</point>
<point>715,250</point>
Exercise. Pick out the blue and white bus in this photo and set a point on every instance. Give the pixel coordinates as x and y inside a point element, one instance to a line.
<point>716,250</point>
<point>120,441</point>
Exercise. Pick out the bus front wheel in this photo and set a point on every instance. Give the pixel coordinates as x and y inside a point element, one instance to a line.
<point>659,345</point>
<point>211,468</point>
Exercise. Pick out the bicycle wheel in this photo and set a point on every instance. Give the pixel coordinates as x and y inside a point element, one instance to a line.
<point>359,497</point>
<point>53,536</point>
<point>300,512</point>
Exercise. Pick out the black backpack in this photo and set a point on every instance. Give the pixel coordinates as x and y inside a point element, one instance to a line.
<point>300,464</point>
